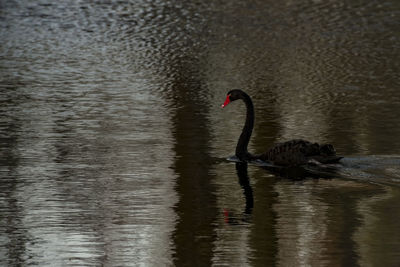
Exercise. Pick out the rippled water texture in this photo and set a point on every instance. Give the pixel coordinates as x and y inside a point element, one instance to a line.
<point>113,146</point>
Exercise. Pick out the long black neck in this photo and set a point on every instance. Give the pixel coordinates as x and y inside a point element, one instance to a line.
<point>241,147</point>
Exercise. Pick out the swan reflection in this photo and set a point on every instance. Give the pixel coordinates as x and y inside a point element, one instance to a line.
<point>244,182</point>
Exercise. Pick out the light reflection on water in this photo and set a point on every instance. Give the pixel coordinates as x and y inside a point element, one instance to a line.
<point>112,142</point>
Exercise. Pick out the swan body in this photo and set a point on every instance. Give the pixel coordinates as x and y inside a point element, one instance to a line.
<point>291,153</point>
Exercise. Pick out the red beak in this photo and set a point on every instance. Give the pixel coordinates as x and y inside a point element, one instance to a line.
<point>227,101</point>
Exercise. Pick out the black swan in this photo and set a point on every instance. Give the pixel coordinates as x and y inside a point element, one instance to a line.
<point>291,153</point>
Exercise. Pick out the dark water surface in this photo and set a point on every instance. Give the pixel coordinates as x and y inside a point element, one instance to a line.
<point>113,145</point>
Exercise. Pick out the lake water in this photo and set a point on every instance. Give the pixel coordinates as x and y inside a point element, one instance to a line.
<point>113,145</point>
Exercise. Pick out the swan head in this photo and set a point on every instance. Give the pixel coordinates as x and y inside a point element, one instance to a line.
<point>232,95</point>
